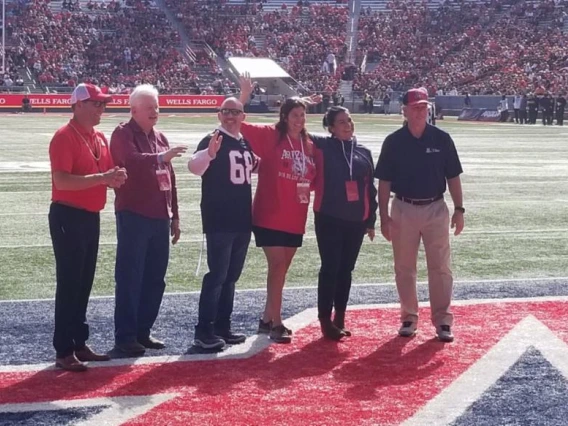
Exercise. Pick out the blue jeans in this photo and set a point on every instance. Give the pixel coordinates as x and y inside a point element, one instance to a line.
<point>142,255</point>
<point>226,253</point>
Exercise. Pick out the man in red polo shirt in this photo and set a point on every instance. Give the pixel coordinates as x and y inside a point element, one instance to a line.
<point>81,170</point>
<point>146,215</point>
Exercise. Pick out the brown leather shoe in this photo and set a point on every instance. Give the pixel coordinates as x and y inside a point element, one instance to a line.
<point>87,354</point>
<point>70,363</point>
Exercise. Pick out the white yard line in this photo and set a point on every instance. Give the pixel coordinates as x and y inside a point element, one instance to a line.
<point>549,235</point>
<point>292,287</point>
<point>257,343</point>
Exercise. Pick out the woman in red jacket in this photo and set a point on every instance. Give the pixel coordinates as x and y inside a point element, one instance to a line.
<point>280,206</point>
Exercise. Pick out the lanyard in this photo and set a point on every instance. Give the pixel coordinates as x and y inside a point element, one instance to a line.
<point>303,156</point>
<point>87,143</point>
<point>350,161</point>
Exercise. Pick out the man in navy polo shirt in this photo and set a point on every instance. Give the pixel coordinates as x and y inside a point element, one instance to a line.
<point>416,163</point>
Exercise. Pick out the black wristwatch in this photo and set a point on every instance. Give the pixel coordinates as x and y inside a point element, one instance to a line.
<point>459,209</point>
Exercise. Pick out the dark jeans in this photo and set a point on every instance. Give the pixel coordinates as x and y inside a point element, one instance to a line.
<point>75,237</point>
<point>523,116</point>
<point>226,253</point>
<point>142,254</point>
<point>517,115</point>
<point>560,117</point>
<point>339,243</point>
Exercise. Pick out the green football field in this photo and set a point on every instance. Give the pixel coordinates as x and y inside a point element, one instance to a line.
<point>515,189</point>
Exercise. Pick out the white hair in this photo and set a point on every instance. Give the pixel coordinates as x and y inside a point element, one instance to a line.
<point>144,90</point>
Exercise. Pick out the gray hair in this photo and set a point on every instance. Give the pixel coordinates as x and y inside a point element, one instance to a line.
<point>142,91</point>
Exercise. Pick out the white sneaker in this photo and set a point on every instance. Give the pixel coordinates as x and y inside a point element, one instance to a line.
<point>407,329</point>
<point>444,333</point>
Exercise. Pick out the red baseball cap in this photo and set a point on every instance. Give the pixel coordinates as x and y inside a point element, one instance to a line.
<point>89,92</point>
<point>415,97</point>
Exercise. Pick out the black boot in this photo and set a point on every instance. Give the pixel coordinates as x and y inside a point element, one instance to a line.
<point>330,331</point>
<point>339,322</point>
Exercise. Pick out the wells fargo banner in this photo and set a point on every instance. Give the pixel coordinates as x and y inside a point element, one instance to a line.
<point>39,101</point>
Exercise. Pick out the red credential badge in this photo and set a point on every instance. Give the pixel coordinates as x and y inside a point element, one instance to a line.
<point>303,192</point>
<point>352,190</point>
<point>164,182</point>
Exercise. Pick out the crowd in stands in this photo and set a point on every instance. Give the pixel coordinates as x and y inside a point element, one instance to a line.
<point>118,47</point>
<point>458,46</point>
<point>493,47</point>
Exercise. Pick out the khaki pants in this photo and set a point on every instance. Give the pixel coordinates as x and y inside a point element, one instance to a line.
<point>431,223</point>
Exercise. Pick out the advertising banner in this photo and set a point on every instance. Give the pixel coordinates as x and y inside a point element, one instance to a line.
<point>470,114</point>
<point>39,101</point>
<point>490,115</point>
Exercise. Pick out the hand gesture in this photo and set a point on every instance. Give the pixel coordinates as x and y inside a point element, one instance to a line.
<point>115,177</point>
<point>174,152</point>
<point>175,231</point>
<point>313,99</point>
<point>458,222</point>
<point>371,233</point>
<point>246,85</point>
<point>215,144</point>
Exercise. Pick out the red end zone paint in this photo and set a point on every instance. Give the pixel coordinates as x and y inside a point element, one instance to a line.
<point>372,378</point>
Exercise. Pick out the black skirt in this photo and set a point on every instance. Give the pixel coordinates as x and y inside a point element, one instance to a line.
<point>265,237</point>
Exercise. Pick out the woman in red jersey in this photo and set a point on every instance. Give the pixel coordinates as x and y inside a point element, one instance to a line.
<point>280,206</point>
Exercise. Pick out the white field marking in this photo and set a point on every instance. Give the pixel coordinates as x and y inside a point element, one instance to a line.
<point>103,212</point>
<point>293,287</point>
<point>120,409</point>
<point>48,191</point>
<point>469,203</point>
<point>252,346</point>
<point>257,343</point>
<point>25,166</point>
<point>518,234</point>
<point>454,400</point>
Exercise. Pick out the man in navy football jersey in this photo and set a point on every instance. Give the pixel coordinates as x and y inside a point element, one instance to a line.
<point>225,162</point>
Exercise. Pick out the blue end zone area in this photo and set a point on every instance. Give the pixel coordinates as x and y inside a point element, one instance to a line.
<point>49,417</point>
<point>517,397</point>
<point>26,327</point>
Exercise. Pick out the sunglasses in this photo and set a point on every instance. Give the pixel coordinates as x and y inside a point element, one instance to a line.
<point>229,111</point>
<point>97,104</point>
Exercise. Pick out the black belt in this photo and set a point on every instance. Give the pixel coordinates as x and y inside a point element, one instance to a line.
<point>421,202</point>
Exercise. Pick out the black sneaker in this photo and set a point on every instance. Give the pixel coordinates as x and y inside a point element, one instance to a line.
<point>151,342</point>
<point>231,338</point>
<point>330,330</point>
<point>209,342</point>
<point>264,327</point>
<point>280,334</point>
<point>444,333</point>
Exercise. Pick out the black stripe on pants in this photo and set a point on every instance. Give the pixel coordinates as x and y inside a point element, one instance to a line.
<point>75,238</point>
<point>339,243</point>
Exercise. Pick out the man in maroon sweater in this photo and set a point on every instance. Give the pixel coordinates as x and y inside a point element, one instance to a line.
<point>146,216</point>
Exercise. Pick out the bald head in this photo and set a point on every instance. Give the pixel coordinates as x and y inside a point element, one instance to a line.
<point>232,103</point>
<point>231,115</point>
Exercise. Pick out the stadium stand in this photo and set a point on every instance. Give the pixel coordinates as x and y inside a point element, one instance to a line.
<point>451,47</point>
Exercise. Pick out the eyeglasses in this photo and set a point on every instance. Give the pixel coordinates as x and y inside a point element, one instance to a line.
<point>229,111</point>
